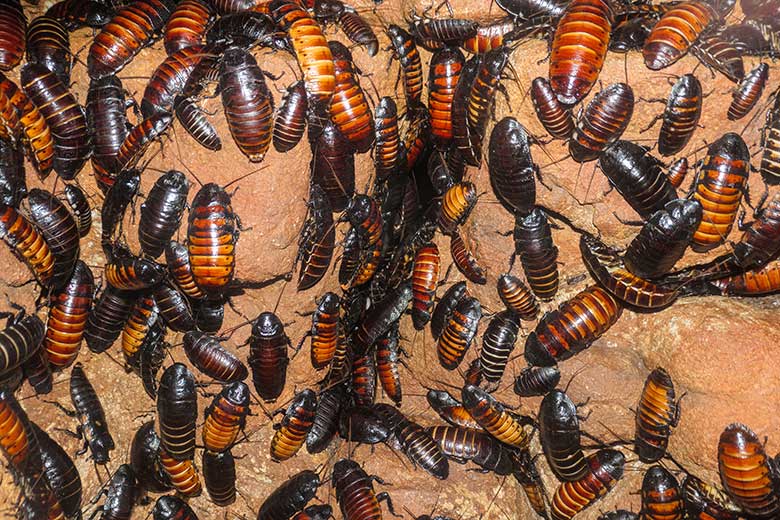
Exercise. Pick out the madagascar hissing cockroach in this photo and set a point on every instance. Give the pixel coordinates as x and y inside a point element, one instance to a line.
<point>524,9</point>
<point>168,81</point>
<point>18,444</point>
<point>675,32</point>
<point>458,332</point>
<point>661,497</point>
<point>129,272</point>
<point>13,26</point>
<point>579,48</point>
<point>106,117</point>
<point>462,444</point>
<point>425,279</point>
<point>162,212</point>
<point>533,381</point>
<point>193,120</point>
<point>527,475</point>
<point>150,359</point>
<point>80,13</point>
<point>291,497</point>
<point>704,501</point>
<point>717,52</point>
<point>320,512</point>
<point>637,176</point>
<point>171,507</point>
<point>213,360</point>
<point>405,51</point>
<point>177,411</point>
<point>386,139</point>
<point>132,28</point>
<point>27,244</point>
<point>60,472</point>
<point>324,330</point>
<point>355,28</point>
<point>559,434</point>
<point>268,359</point>
<point>187,25</point>
<point>604,469</point>
<point>326,418</point>
<point>416,136</point>
<point>388,357</point>
<point>107,318</point>
<point>140,137</point>
<point>719,187</point>
<point>555,117</point>
<point>80,207</point>
<point>121,493</point>
<point>450,409</point>
<point>65,117</point>
<point>37,371</point>
<point>362,380</point>
<point>461,150</point>
<point>58,228</point>
<point>67,320</point>
<point>93,426</point>
<point>770,142</point>
<point>13,185</point>
<point>511,166</point>
<point>656,415</point>
<point>145,460</point>
<point>748,92</point>
<point>438,33</point>
<point>602,122</point>
<point>290,118</point>
<point>498,342</point>
<point>178,262</point>
<point>491,35</point>
<point>333,165</point>
<point>183,475</point>
<point>174,308</point>
<point>48,45</point>
<point>630,34</point>
<point>10,126</point>
<point>582,320</point>
<point>219,475</point>
<point>380,318</point>
<point>681,115</point>
<point>456,207</point>
<point>225,417</point>
<point>537,252</point>
<point>349,108</point>
<point>144,321</point>
<point>118,197</point>
<point>224,7</point>
<point>517,297</point>
<point>317,240</point>
<point>444,72</point>
<point>365,216</point>
<point>246,29</point>
<point>677,172</point>
<point>291,432</point>
<point>493,417</point>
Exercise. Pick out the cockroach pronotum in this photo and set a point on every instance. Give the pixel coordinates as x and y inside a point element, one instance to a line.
<point>675,32</point>
<point>92,418</point>
<point>291,432</point>
<point>107,318</point>
<point>458,332</point>
<point>219,475</point>
<point>656,415</point>
<point>661,497</point>
<point>290,118</point>
<point>493,417</point>
<point>748,92</point>
<point>498,342</point>
<point>246,29</point>
<point>225,417</point>
<point>162,212</point>
<point>177,411</point>
<point>187,25</point>
<point>537,252</point>
<point>13,26</point>
<point>291,497</point>
<point>48,45</point>
<point>171,507</point>
<point>704,501</point>
<point>511,166</point>
<point>534,381</point>
<point>462,444</point>
<point>405,51</point>
<point>602,122</point>
<point>27,244</point>
<point>517,297</point>
<point>183,475</point>
<point>106,117</point>
<point>559,433</point>
<point>630,34</point>
<point>425,279</point>
<point>444,72</point>
<point>268,359</point>
<point>605,468</point>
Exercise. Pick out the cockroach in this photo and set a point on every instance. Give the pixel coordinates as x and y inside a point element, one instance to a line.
<point>461,150</point>
<point>12,35</point>
<point>145,460</point>
<point>761,239</point>
<point>675,32</point>
<point>425,279</point>
<point>677,172</point>
<point>317,240</point>
<point>450,409</point>
<point>439,174</point>
<point>405,51</point>
<point>177,411</point>
<point>553,9</point>
<point>534,381</point>
<point>174,308</point>
<point>579,49</point>
<point>537,252</point>
<point>132,28</point>
<point>386,138</point>
<point>61,473</point>
<point>224,7</point>
<point>268,359</point>
<point>37,371</point>
<point>92,419</point>
<point>106,117</point>
<point>363,379</point>
<point>209,314</point>
<point>13,185</point>
<point>491,36</point>
<point>748,92</point>
<point>246,29</point>
<point>493,417</point>
<point>527,475</point>
<point>129,272</point>
<point>416,443</point>
<point>498,342</point>
<point>638,177</point>
<point>63,114</point>
<point>703,501</point>
<point>350,259</point>
<point>559,432</point>
<point>555,117</point>
<point>716,52</point>
<point>605,468</point>
<point>79,205</point>
<point>60,231</point>
<point>446,65</point>
<point>121,493</point>
<point>459,332</point>
<point>183,475</point>
<point>380,318</point>
<point>656,415</point>
<point>462,444</point>
<point>756,282</point>
<point>208,356</point>
<point>571,328</point>
<point>168,80</point>
<point>212,233</point>
<point>194,121</point>
<point>19,444</point>
<point>437,33</point>
<point>388,352</point>
<point>326,419</point>
<point>349,108</point>
<point>150,359</point>
<point>310,47</point>
<point>219,475</point>
<point>162,212</point>
<point>187,25</point>
<point>602,122</point>
<point>79,13</point>
<point>48,45</point>
<point>118,197</point>
<point>291,497</point>
<point>770,142</point>
<point>178,262</point>
<point>107,318</point>
<point>517,297</point>
<point>324,330</point>
<point>661,497</point>
<point>140,137</point>
<point>457,205</point>
<point>290,118</point>
<point>415,138</point>
<point>681,115</point>
<point>68,317</point>
<point>719,187</point>
<point>354,26</point>
<point>171,507</point>
<point>225,417</point>
<point>333,166</point>
<point>321,512</point>
<point>663,239</point>
<point>631,34</point>
<point>291,432</point>
<point>27,244</point>
<point>144,320</point>
<point>511,166</point>
<point>364,213</point>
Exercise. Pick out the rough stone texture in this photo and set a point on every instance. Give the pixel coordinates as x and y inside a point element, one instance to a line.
<point>719,352</point>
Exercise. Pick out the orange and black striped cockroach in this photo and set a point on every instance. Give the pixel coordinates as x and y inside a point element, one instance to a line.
<point>537,252</point>
<point>354,26</point>
<point>493,417</point>
<point>760,281</point>
<point>663,239</point>
<point>326,418</point>
<point>177,411</point>
<point>416,443</point>
<point>405,51</point>
<point>657,413</point>
<point>106,106</point>
<point>143,322</point>
<point>70,307</point>
<point>129,272</point>
<point>145,460</point>
<point>425,280</point>
<point>719,187</point>
<point>681,115</point>
<point>365,215</point>
<point>388,357</point>
<point>17,438</point>
<point>459,331</point>
<point>461,150</point>
<point>174,308</point>
<point>456,206</point>
<point>248,103</point>
<point>107,318</point>
<point>290,118</point>
<point>58,228</point>
<point>638,176</point>
<point>13,184</point>
<point>498,342</point>
<point>219,475</point>
<point>387,149</point>
<point>162,212</point>
<point>704,501</point>
<point>675,32</point>
<point>140,137</point>
<point>121,493</point>
<point>333,165</point>
<point>268,358</point>
<point>464,444</point>
<point>247,29</point>
<point>748,92</point>
<point>579,48</point>
<point>132,28</point>
<point>79,205</point>
<point>605,468</point>
<point>619,514</point>
<point>661,496</point>
<point>602,122</point>
<point>362,382</point>
<point>380,318</point>
<point>48,44</point>
<point>324,330</point>
<point>150,359</point>
<point>171,507</point>
<point>183,475</point>
<point>527,475</point>
<point>533,381</point>
<point>746,473</point>
<point>491,35</point>
<point>225,417</point>
<point>13,26</point>
<point>80,13</point>
<point>209,314</point>
<point>310,47</point>
<point>511,166</point>
<point>180,270</point>
<point>291,497</point>
<point>187,25</point>
<point>37,371</point>
<point>193,120</point>
<point>572,327</point>
<point>416,135</point>
<point>294,427</point>
<point>559,433</point>
<point>317,240</point>
<point>63,114</point>
<point>677,172</point>
<point>450,409</point>
<point>208,356</point>
<point>716,52</point>
<point>444,72</point>
<point>27,244</point>
<point>168,80</point>
<point>60,472</point>
<point>631,34</point>
<point>517,297</point>
<point>524,9</point>
<point>349,108</point>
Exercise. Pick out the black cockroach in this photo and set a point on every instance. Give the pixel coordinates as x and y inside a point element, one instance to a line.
<point>704,501</point>
<point>268,359</point>
<point>317,240</point>
<point>132,28</point>
<point>349,108</point>
<point>61,473</point>
<point>638,176</point>
<point>444,72</point>
<point>12,380</point>
<point>553,9</point>
<point>294,427</point>
<point>170,507</point>
<point>527,475</point>
<point>150,359</point>
<point>80,13</point>
<point>13,186</point>
<point>436,33</point>
<point>326,419</point>
<point>460,151</point>
<point>177,411</point>
<point>380,318</point>
<point>20,340</point>
<point>80,207</point>
<point>333,165</point>
<point>58,227</point>
<point>219,475</point>
<point>656,415</point>
<point>208,356</point>
<point>661,497</point>
<point>555,117</point>
<point>602,122</point>
<point>415,138</point>
<point>194,121</point>
<point>677,172</point>
<point>118,197</point>
<point>493,417</point>
<point>14,25</point>
<point>246,29</point>
<point>517,297</point>
<point>386,139</point>
<point>209,314</point>
<point>748,92</point>
<point>537,252</point>
<point>559,432</point>
<point>450,409</point>
<point>364,213</point>
<point>290,118</point>
<point>716,52</point>
<point>162,212</point>
<point>388,352</point>
<point>511,166</point>
<point>187,25</point>
<point>168,80</point>
<point>93,426</point>
<point>143,323</point>
<point>37,371</point>
<point>107,318</point>
<point>225,417</point>
<point>129,272</point>
<point>631,34</point>
<point>364,425</point>
<point>106,116</point>
<point>363,380</point>
<point>224,7</point>
<point>425,279</point>
<point>533,381</point>
<point>605,468</point>
<point>458,332</point>
<point>675,32</point>
<point>140,137</point>
<point>10,126</point>
<point>405,51</point>
<point>145,460</point>
<point>183,475</point>
<point>498,342</point>
<point>178,262</point>
<point>681,115</point>
<point>355,28</point>
<point>464,259</point>
<point>462,444</point>
<point>48,45</point>
<point>174,308</point>
<point>121,493</point>
<point>291,497</point>
<point>27,244</point>
<point>68,317</point>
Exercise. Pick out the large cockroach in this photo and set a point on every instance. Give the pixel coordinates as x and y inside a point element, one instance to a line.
<point>290,118</point>
<point>291,497</point>
<point>458,332</point>
<point>61,473</point>
<point>380,318</point>
<point>405,51</point>
<point>491,36</point>
<point>226,417</point>
<point>349,108</point>
<point>171,507</point>
<point>534,381</point>
<point>333,165</point>
<point>246,29</point>
<point>187,25</point>
<point>106,108</point>
<point>555,117</point>
<point>20,340</point>
<point>13,185</point>
<point>324,330</point>
<point>462,444</point>
<point>461,151</point>
<point>386,138</point>
<point>364,213</point>
<point>291,432</point>
<point>80,13</point>
<point>13,25</point>
<point>717,52</point>
<point>68,317</point>
<point>194,121</point>
<point>317,240</point>
<point>219,475</point>
<point>162,212</point>
<point>355,491</point>
<point>121,493</point>
<point>363,380</point>
<point>425,279</point>
<point>498,342</point>
<point>748,92</point>
<point>129,272</point>
<point>630,34</point>
<point>144,321</point>
<point>140,137</point>
<point>493,417</point>
<point>537,252</point>
<point>415,138</point>
<point>656,415</point>
<point>605,468</point>
<point>183,475</point>
<point>174,308</point>
<point>602,122</point>
<point>150,359</point>
<point>168,80</point>
<point>48,45</point>
<point>107,318</point>
<point>681,115</point>
<point>704,501</point>
<point>524,9</point>
<point>511,166</point>
<point>27,244</point>
<point>268,359</point>
<point>60,231</point>
<point>177,411</point>
<point>92,418</point>
<point>437,33</point>
<point>456,207</point>
<point>559,432</point>
<point>180,269</point>
<point>675,32</point>
<point>79,205</point>
<point>517,297</point>
<point>444,72</point>
<point>450,409</point>
<point>388,357</point>
<point>661,497</point>
<point>213,360</point>
<point>770,142</point>
<point>326,419</point>
<point>527,475</point>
